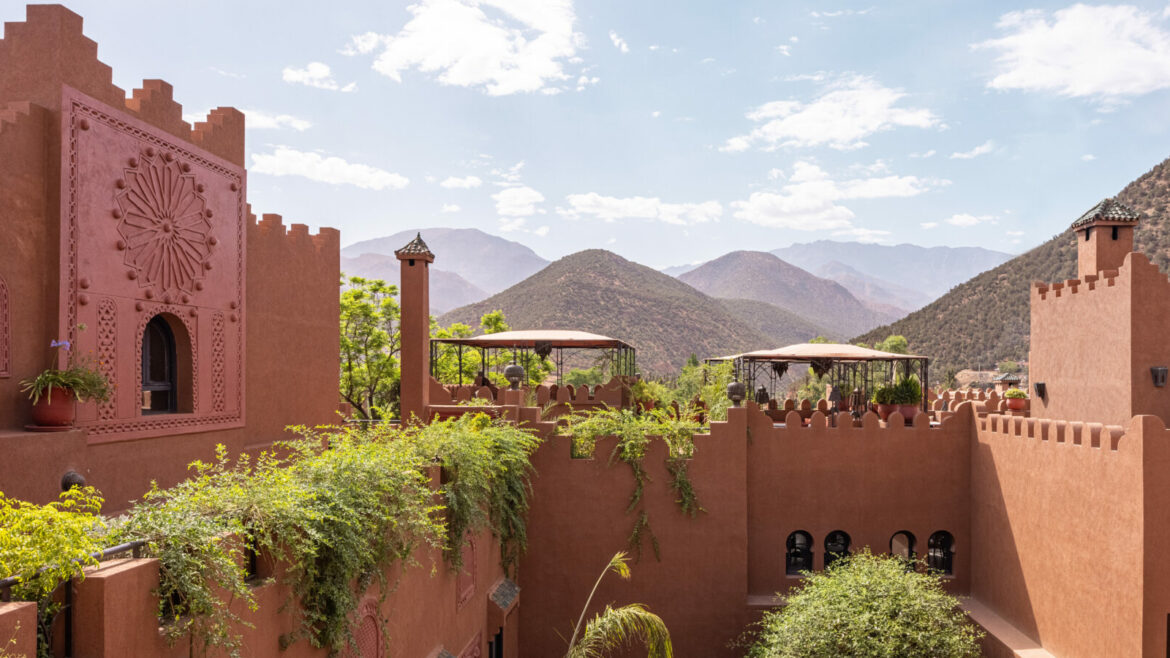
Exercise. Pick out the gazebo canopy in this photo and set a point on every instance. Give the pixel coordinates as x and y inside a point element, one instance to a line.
<point>534,337</point>
<point>817,351</point>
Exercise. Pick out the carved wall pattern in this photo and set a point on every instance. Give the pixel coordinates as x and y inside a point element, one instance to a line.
<point>83,115</point>
<point>218,404</point>
<point>367,634</point>
<point>164,222</point>
<point>5,333</point>
<point>465,581</point>
<point>474,649</point>
<point>107,355</point>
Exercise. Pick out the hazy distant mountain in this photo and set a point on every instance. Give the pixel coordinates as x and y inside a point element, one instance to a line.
<point>783,327</point>
<point>929,270</point>
<point>679,270</point>
<point>764,277</point>
<point>488,262</point>
<point>601,292</point>
<point>986,319</point>
<point>448,289</point>
<point>875,292</point>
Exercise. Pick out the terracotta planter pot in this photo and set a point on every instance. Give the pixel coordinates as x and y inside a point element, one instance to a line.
<point>908,411</point>
<point>884,410</point>
<point>56,408</point>
<point>1017,404</point>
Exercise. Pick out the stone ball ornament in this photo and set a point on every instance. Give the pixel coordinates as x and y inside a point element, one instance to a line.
<point>736,391</point>
<point>514,374</point>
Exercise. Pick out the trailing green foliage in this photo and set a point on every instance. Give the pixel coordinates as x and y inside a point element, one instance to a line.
<point>46,545</point>
<point>634,433</point>
<point>338,509</point>
<point>619,628</point>
<point>868,606</point>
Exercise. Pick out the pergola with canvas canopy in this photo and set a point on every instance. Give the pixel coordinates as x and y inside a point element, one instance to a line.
<point>849,366</point>
<point>557,344</point>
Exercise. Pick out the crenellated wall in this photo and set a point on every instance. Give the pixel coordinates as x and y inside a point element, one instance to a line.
<point>1094,341</point>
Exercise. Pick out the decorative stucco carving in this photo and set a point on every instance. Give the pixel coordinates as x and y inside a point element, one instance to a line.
<point>218,404</point>
<point>164,223</point>
<point>107,355</point>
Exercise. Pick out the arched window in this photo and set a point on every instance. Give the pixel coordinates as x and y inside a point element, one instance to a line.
<point>799,556</point>
<point>902,545</point>
<point>836,546</point>
<point>159,371</point>
<point>940,552</point>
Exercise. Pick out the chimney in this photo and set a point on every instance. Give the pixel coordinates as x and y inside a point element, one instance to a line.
<point>1104,237</point>
<point>415,324</point>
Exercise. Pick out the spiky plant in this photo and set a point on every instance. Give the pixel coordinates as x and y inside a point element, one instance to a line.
<point>620,627</point>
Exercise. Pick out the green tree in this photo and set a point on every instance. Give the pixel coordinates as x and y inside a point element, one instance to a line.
<point>617,628</point>
<point>868,606</point>
<point>894,343</point>
<point>446,366</point>
<point>1009,366</point>
<point>370,344</point>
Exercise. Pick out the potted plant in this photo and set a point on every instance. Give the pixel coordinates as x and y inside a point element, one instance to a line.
<point>1017,399</point>
<point>882,398</point>
<point>907,395</point>
<point>55,391</point>
<point>642,396</point>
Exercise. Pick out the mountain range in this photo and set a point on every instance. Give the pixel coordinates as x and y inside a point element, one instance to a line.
<point>986,319</point>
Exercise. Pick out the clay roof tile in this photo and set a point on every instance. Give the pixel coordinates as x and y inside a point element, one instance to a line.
<point>1108,210</point>
<point>415,247</point>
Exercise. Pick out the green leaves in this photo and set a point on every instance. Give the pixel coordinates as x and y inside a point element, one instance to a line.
<point>370,343</point>
<point>868,606</point>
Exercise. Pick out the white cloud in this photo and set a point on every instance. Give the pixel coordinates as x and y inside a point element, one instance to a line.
<point>510,176</point>
<point>502,46</point>
<point>809,200</point>
<point>794,39</point>
<point>609,209</point>
<point>619,42</point>
<point>982,149</point>
<point>586,81</point>
<point>924,154</point>
<point>784,50</point>
<point>775,174</point>
<point>316,75</point>
<point>654,47</point>
<point>849,110</point>
<point>517,201</point>
<point>929,225</point>
<point>656,114</point>
<point>362,44</point>
<point>450,207</point>
<point>1015,233</point>
<point>284,161</point>
<point>965,220</point>
<point>840,12</point>
<point>1106,51</point>
<point>468,182</point>
<point>1088,157</point>
<point>707,60</point>
<point>509,225</point>
<point>260,120</point>
<point>863,234</point>
<point>540,231</point>
<point>227,74</point>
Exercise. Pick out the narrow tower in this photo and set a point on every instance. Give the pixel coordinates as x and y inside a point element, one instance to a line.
<point>414,262</point>
<point>1104,237</point>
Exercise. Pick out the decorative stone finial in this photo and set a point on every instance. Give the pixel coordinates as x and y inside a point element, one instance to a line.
<point>416,249</point>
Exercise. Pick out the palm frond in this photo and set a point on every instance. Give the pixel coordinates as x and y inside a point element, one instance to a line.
<point>623,627</point>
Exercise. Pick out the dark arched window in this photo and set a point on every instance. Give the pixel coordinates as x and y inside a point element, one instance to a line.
<point>836,546</point>
<point>799,555</point>
<point>902,545</point>
<point>159,376</point>
<point>940,552</point>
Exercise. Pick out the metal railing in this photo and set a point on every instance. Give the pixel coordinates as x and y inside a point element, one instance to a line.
<point>133,547</point>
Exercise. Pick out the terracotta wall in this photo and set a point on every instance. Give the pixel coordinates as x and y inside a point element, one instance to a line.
<point>1149,319</point>
<point>1057,521</point>
<point>1080,348</point>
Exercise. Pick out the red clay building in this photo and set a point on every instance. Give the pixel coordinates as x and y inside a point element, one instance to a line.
<point>1051,526</point>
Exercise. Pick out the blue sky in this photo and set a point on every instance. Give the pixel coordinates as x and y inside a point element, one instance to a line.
<point>669,132</point>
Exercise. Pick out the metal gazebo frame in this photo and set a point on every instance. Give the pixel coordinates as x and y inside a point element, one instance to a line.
<point>526,345</point>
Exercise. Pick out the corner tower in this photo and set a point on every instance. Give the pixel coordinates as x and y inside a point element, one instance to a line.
<point>414,262</point>
<point>1104,237</point>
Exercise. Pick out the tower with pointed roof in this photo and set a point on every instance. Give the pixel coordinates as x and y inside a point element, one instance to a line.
<point>414,288</point>
<point>1104,236</point>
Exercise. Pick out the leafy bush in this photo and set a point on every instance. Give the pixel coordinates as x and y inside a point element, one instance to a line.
<point>868,606</point>
<point>1015,394</point>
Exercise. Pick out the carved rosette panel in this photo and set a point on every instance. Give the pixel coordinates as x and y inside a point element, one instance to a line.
<point>218,404</point>
<point>5,333</point>
<point>155,224</point>
<point>164,223</point>
<point>107,355</point>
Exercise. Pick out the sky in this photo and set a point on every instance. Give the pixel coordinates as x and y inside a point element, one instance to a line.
<point>668,132</point>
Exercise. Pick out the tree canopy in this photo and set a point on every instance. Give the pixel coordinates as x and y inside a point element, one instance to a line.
<point>868,606</point>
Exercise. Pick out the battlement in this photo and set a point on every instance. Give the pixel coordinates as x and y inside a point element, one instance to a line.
<point>1095,435</point>
<point>1136,264</point>
<point>49,49</point>
<point>271,226</point>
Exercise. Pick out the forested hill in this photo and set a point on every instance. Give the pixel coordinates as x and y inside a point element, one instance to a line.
<point>986,319</point>
<point>601,292</point>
